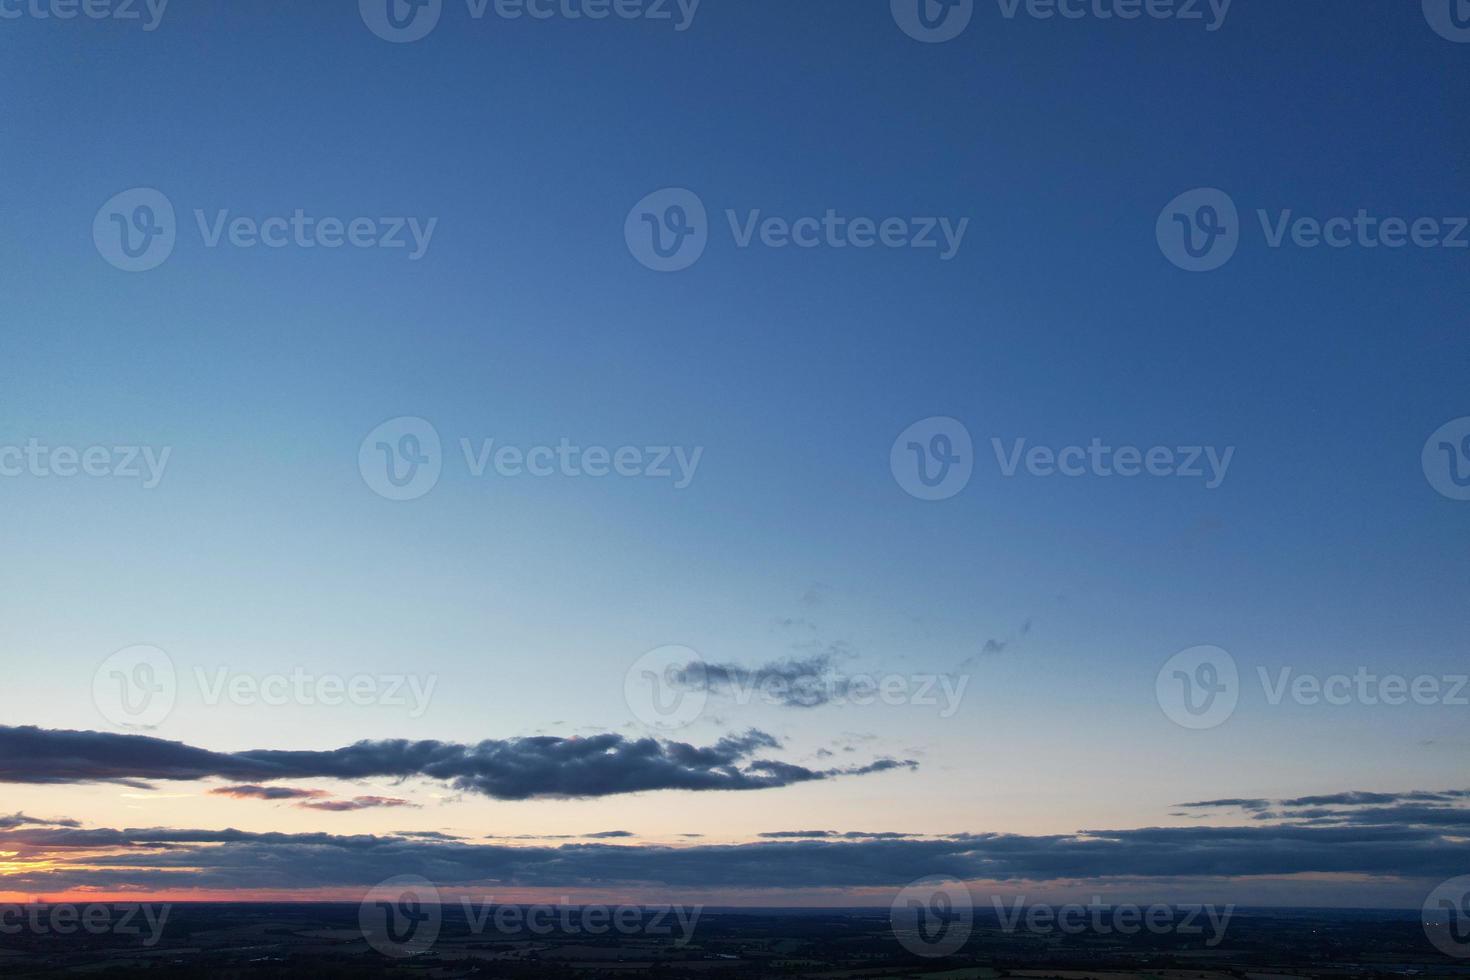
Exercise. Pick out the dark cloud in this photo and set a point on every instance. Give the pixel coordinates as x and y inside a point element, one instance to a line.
<point>21,820</point>
<point>805,682</point>
<point>508,769</point>
<point>833,835</point>
<point>159,857</point>
<point>608,834</point>
<point>254,792</point>
<point>357,803</point>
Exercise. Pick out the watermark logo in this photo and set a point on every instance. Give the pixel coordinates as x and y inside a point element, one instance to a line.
<point>1208,464</point>
<point>1102,919</point>
<point>66,919</point>
<point>664,689</point>
<point>401,459</point>
<point>1199,230</point>
<point>933,21</point>
<point>1449,18</point>
<point>401,917</point>
<point>1199,688</point>
<point>148,12</point>
<point>136,687</point>
<point>933,917</point>
<point>135,230</point>
<point>36,459</point>
<point>1446,459</point>
<point>668,230</point>
<point>933,459</point>
<point>1447,917</point>
<point>401,21</point>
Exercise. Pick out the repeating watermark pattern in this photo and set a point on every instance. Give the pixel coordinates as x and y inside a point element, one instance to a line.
<point>933,459</point>
<point>1201,688</point>
<point>94,919</point>
<point>147,13</point>
<point>401,917</point>
<point>937,21</point>
<point>405,21</point>
<point>1104,919</point>
<point>933,21</point>
<point>1447,917</point>
<point>933,917</point>
<point>1363,687</point>
<point>138,687</point>
<point>677,922</point>
<point>1449,18</point>
<point>1200,230</point>
<point>34,458</point>
<point>308,689</point>
<point>669,688</point>
<point>669,230</point>
<point>136,231</point>
<point>1446,459</point>
<point>1208,464</point>
<point>658,691</point>
<point>404,917</point>
<point>403,458</point>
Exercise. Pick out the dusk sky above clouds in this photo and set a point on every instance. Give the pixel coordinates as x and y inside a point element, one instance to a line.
<point>529,557</point>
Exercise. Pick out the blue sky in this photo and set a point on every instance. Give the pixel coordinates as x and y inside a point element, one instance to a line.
<point>528,321</point>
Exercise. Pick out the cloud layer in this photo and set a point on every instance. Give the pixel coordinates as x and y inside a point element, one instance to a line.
<point>504,769</point>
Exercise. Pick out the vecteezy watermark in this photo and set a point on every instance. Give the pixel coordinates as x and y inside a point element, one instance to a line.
<point>1449,18</point>
<point>566,919</point>
<point>148,13</point>
<point>403,458</point>
<point>138,687</point>
<point>1198,688</point>
<point>403,21</point>
<point>936,21</point>
<point>136,231</point>
<point>669,688</point>
<point>1201,687</point>
<point>302,687</point>
<point>933,459</point>
<point>669,230</point>
<point>35,459</point>
<point>1447,917</point>
<point>661,688</point>
<point>404,917</point>
<point>1200,230</point>
<point>95,919</point>
<point>1098,459</point>
<point>1102,919</point>
<point>933,917</point>
<point>401,917</point>
<point>1446,459</point>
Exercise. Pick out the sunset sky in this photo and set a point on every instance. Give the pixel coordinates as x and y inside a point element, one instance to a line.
<point>519,606</point>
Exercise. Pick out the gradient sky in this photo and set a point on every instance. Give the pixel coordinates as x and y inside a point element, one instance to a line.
<point>528,321</point>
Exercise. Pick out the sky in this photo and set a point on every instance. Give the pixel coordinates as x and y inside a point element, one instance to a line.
<point>301,483</point>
